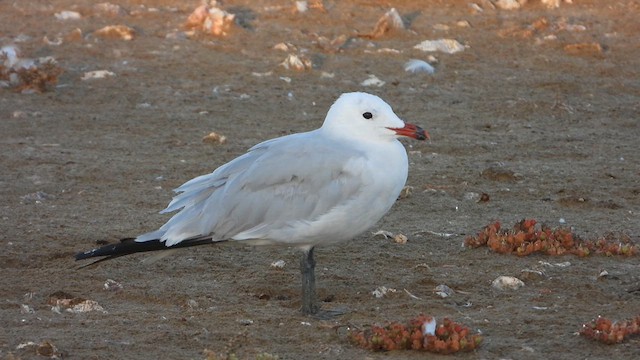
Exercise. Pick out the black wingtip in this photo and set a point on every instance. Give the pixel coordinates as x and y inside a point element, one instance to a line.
<point>124,247</point>
<point>95,262</point>
<point>88,254</point>
<point>130,246</point>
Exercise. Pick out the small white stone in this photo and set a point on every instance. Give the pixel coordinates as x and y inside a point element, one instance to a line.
<point>471,196</point>
<point>214,138</point>
<point>86,306</point>
<point>400,239</point>
<point>298,63</point>
<point>443,291</point>
<point>112,285</point>
<point>551,4</point>
<point>301,6</point>
<point>386,234</point>
<point>97,74</point>
<point>373,81</point>
<point>603,274</point>
<point>510,4</point>
<point>67,15</point>
<point>429,327</point>
<point>449,46</point>
<point>262,74</point>
<point>507,283</point>
<point>10,55</point>
<point>418,66</point>
<point>382,291</point>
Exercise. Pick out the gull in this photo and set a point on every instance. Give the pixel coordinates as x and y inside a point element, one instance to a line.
<point>302,190</point>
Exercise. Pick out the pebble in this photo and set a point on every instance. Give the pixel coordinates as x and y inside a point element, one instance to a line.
<point>97,74</point>
<point>449,46</point>
<point>507,283</point>
<point>121,32</point>
<point>37,197</point>
<point>214,138</point>
<point>400,239</point>
<point>10,55</point>
<point>603,274</point>
<point>391,20</point>
<point>373,81</point>
<point>112,285</point>
<point>418,66</point>
<point>86,306</point>
<point>530,274</point>
<point>67,15</point>
<point>211,19</point>
<point>510,4</point>
<point>584,49</point>
<point>443,291</point>
<point>109,9</point>
<point>382,291</point>
<point>429,327</point>
<point>552,4</point>
<point>296,62</point>
<point>471,196</point>
<point>301,6</point>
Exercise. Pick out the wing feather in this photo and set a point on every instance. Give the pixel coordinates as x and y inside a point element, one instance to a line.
<point>268,189</point>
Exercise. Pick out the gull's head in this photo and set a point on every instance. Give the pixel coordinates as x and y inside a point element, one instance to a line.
<point>365,116</point>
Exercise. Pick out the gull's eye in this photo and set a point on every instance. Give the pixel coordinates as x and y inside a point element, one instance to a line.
<point>367,115</point>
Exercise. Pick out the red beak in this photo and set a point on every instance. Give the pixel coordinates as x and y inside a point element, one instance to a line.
<point>412,131</point>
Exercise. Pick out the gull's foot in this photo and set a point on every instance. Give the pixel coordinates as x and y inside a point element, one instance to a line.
<point>328,314</point>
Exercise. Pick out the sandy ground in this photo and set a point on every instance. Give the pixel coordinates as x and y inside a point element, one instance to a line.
<point>561,123</point>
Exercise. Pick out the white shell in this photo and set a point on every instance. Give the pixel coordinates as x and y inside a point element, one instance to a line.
<point>551,4</point>
<point>400,239</point>
<point>449,46</point>
<point>10,55</point>
<point>295,62</point>
<point>112,285</point>
<point>214,138</point>
<point>67,15</point>
<point>211,19</point>
<point>392,17</point>
<point>429,327</point>
<point>510,4</point>
<point>443,291</point>
<point>122,32</point>
<point>97,74</point>
<point>373,81</point>
<point>418,66</point>
<point>86,306</point>
<point>507,283</point>
<point>302,6</point>
<point>382,291</point>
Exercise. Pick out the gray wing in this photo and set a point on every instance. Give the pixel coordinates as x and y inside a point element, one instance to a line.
<point>284,182</point>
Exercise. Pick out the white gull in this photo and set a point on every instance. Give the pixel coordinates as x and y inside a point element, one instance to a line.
<point>314,188</point>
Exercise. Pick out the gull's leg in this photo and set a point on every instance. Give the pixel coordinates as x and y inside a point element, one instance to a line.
<point>309,302</point>
<point>307,268</point>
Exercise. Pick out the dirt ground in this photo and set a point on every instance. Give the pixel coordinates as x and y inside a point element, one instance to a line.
<point>532,97</point>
